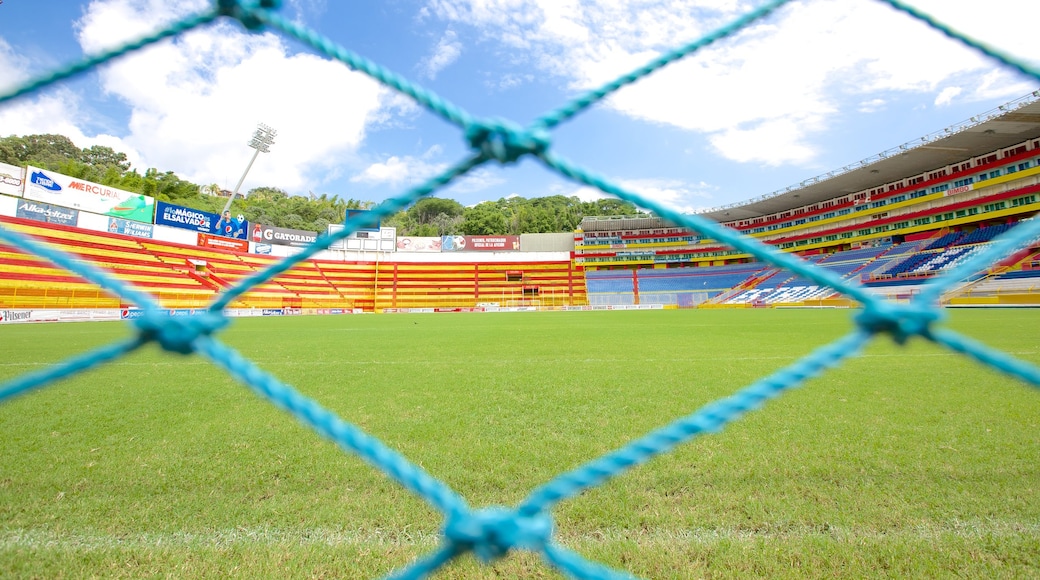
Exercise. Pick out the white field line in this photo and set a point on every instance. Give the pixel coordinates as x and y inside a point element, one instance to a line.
<point>78,541</point>
<point>177,362</point>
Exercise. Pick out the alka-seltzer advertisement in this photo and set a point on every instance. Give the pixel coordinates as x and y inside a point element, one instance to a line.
<point>51,187</point>
<point>11,179</point>
<point>45,212</point>
<point>167,214</point>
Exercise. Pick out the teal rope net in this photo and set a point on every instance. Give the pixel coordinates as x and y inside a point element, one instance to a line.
<point>490,533</point>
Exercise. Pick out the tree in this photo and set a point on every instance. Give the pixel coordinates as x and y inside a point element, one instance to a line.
<point>426,209</point>
<point>484,219</point>
<point>46,151</point>
<point>431,216</point>
<point>101,158</point>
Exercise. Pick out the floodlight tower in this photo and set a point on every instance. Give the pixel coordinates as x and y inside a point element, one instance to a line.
<point>262,140</point>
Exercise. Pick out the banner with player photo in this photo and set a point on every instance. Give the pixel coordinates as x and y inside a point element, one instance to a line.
<point>204,222</point>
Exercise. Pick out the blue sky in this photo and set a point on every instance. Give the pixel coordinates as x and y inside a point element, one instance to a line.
<point>818,85</point>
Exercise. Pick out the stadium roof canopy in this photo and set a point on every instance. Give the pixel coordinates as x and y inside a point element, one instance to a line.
<point>1011,123</point>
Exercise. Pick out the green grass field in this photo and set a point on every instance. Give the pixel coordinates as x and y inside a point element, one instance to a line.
<point>906,462</point>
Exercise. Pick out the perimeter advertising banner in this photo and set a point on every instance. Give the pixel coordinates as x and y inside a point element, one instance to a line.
<point>418,244</point>
<point>493,243</point>
<point>11,179</point>
<point>130,228</point>
<point>220,242</point>
<point>204,222</point>
<point>51,187</point>
<point>283,236</point>
<point>480,243</point>
<point>45,212</point>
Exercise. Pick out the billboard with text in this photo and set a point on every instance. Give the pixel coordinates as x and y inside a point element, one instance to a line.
<point>52,187</point>
<point>11,179</point>
<point>45,212</point>
<point>222,243</point>
<point>130,228</point>
<point>480,243</point>
<point>283,236</point>
<point>204,222</point>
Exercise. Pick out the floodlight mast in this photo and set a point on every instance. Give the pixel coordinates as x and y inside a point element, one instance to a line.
<point>262,140</point>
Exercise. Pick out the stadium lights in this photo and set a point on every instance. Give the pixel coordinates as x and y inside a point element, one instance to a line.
<point>261,141</point>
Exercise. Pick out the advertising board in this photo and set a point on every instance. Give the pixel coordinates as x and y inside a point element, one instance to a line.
<point>130,228</point>
<point>418,244</point>
<point>480,243</point>
<point>204,222</point>
<point>45,212</point>
<point>12,179</point>
<point>222,243</point>
<point>54,188</point>
<point>263,234</point>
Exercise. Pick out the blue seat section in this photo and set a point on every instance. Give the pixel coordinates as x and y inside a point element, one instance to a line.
<point>711,279</point>
<point>786,287</point>
<point>1020,274</point>
<point>858,256</point>
<point>984,234</point>
<point>931,261</point>
<point>609,281</point>
<point>943,241</point>
<point>893,256</point>
<point>609,287</point>
<point>908,264</point>
<point>780,295</point>
<point>902,262</point>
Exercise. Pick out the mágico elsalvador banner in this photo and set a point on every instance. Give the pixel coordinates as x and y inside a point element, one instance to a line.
<point>51,187</point>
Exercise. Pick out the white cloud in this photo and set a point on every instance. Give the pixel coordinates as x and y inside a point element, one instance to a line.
<point>947,95</point>
<point>508,81</point>
<point>478,179</point>
<point>408,170</point>
<point>195,100</point>
<point>674,194</point>
<point>13,67</point>
<point>447,51</point>
<point>773,142</point>
<point>671,193</point>
<point>872,105</point>
<point>397,170</point>
<point>765,93</point>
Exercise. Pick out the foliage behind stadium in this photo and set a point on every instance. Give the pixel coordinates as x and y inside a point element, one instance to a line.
<point>270,205</point>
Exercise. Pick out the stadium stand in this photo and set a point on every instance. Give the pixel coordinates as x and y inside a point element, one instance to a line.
<point>33,283</point>
<point>183,276</point>
<point>467,285</point>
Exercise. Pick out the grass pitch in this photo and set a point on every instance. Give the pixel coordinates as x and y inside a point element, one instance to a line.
<point>906,462</point>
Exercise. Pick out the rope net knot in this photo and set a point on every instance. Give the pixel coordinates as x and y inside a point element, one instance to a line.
<point>245,11</point>
<point>505,141</point>
<point>900,320</point>
<point>177,334</point>
<point>490,533</point>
